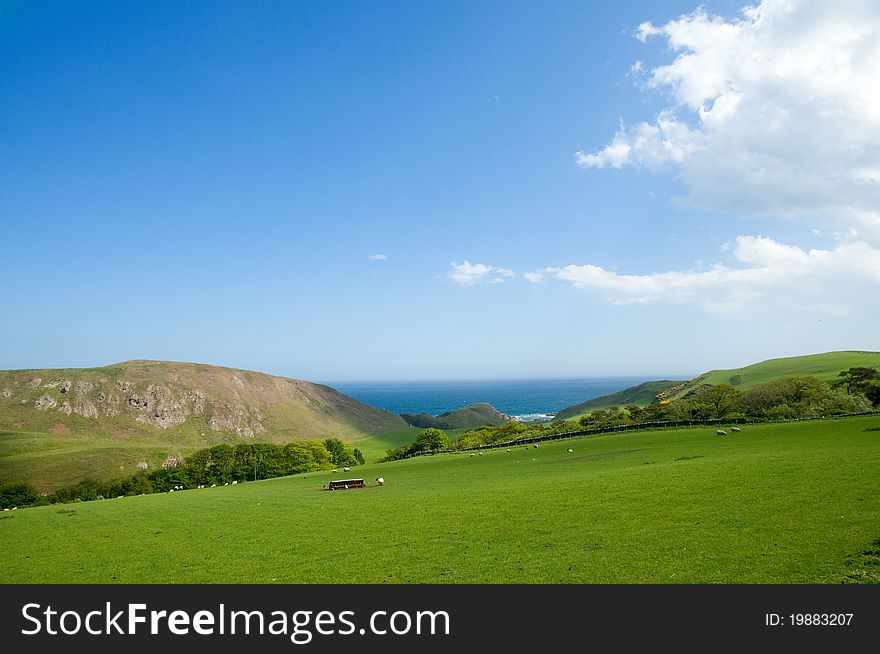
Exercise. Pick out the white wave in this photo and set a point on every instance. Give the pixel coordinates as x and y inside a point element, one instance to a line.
<point>534,417</point>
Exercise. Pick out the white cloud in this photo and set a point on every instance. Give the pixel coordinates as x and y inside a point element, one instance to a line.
<point>378,257</point>
<point>468,274</point>
<point>772,272</point>
<point>776,112</point>
<point>534,277</point>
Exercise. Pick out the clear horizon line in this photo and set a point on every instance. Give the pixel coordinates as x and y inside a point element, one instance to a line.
<point>439,380</point>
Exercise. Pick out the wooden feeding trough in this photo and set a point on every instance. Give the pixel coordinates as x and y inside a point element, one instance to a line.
<point>345,484</point>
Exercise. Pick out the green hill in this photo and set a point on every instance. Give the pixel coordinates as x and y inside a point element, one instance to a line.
<point>824,367</point>
<point>641,395</point>
<point>468,417</point>
<point>58,426</point>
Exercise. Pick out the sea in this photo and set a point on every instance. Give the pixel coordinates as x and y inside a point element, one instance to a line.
<point>527,400</point>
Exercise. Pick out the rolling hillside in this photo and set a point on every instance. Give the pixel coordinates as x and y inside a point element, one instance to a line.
<point>468,417</point>
<point>824,367</point>
<point>58,426</point>
<point>641,395</point>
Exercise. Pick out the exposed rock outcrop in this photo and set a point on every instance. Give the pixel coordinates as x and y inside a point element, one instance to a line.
<point>45,402</point>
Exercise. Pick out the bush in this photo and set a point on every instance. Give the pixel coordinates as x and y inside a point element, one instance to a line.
<point>16,495</point>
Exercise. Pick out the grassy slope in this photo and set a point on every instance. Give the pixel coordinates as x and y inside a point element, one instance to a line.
<point>641,395</point>
<point>375,447</point>
<point>777,503</point>
<point>824,366</point>
<point>467,417</point>
<point>50,449</point>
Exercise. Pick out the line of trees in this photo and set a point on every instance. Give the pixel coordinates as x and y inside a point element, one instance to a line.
<point>857,390</point>
<point>221,464</point>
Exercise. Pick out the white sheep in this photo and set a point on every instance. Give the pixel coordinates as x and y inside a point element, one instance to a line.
<point>171,491</point>
<point>334,471</point>
<point>570,450</point>
<point>735,429</point>
<point>479,454</point>
<point>535,446</point>
<point>508,449</point>
<point>347,469</point>
<point>720,432</point>
<point>234,483</point>
<point>380,481</point>
<point>226,484</point>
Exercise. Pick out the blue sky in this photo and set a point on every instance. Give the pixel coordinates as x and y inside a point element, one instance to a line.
<point>212,182</point>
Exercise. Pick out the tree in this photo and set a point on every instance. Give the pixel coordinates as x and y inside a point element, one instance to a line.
<point>359,456</point>
<point>872,392</point>
<point>431,439</point>
<point>715,401</point>
<point>340,452</point>
<point>13,495</point>
<point>857,379</point>
<point>320,455</point>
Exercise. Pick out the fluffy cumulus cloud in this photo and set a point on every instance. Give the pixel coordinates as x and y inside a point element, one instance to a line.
<point>468,274</point>
<point>783,274</point>
<point>775,112</point>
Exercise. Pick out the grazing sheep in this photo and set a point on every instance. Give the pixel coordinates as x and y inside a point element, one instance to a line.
<point>479,454</point>
<point>535,446</point>
<point>473,454</point>
<point>226,484</point>
<point>171,491</point>
<point>347,469</point>
<point>720,432</point>
<point>508,449</point>
<point>735,429</point>
<point>5,509</point>
<point>334,471</point>
<point>380,481</point>
<point>234,483</point>
<point>213,485</point>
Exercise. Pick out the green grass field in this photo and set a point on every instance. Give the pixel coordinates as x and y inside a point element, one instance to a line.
<point>790,503</point>
<point>62,460</point>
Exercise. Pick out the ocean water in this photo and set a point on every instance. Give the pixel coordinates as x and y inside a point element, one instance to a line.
<point>525,399</point>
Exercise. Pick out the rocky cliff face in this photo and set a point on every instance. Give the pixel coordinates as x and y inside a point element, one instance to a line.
<point>165,395</point>
<point>160,405</point>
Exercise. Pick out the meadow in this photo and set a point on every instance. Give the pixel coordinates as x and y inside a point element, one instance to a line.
<point>777,503</point>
